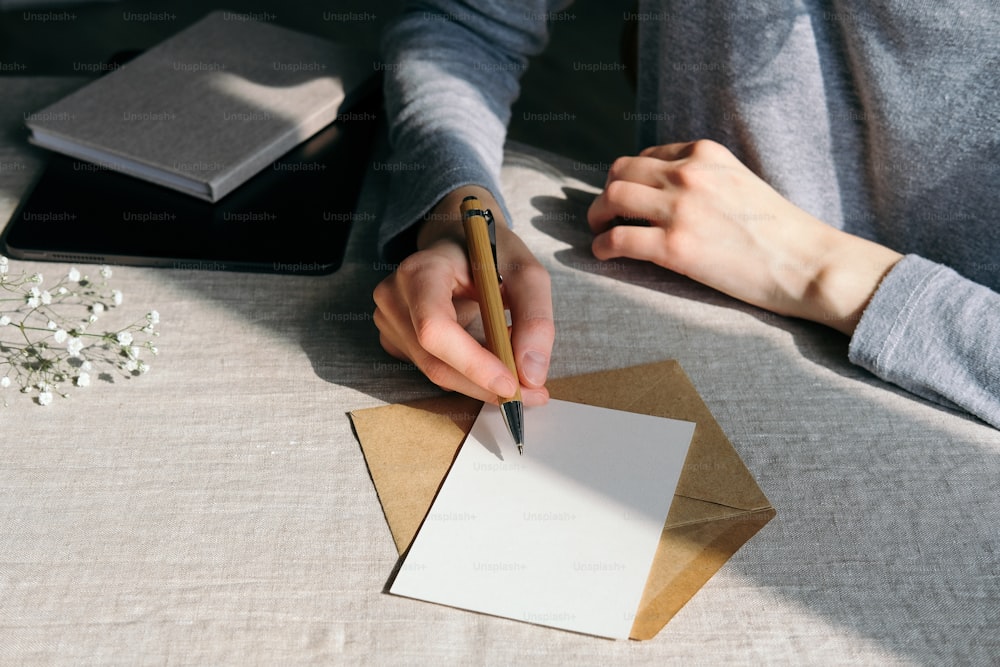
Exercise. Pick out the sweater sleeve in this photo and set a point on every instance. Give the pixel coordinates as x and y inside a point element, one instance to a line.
<point>936,334</point>
<point>451,73</point>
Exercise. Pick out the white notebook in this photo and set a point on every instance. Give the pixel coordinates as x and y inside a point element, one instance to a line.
<point>210,107</point>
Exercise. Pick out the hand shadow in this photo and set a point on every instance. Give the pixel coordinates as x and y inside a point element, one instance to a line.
<point>565,219</point>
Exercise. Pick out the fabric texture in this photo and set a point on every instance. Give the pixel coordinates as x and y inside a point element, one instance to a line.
<point>879,120</point>
<point>218,511</point>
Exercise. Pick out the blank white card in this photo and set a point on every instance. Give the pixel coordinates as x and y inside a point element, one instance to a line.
<point>563,536</point>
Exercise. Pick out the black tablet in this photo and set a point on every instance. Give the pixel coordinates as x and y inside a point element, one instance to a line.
<point>293,217</point>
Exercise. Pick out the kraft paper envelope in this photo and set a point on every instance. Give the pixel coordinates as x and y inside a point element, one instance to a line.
<point>717,506</point>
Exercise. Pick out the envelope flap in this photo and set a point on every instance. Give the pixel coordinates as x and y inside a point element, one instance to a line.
<point>685,511</point>
<point>409,448</point>
<point>713,471</point>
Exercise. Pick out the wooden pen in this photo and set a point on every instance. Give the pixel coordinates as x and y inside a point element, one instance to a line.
<point>486,274</point>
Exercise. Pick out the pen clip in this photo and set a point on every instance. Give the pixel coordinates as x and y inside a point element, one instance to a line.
<point>491,231</point>
<point>491,228</point>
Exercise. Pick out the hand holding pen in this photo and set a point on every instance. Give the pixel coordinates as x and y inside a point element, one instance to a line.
<point>424,306</point>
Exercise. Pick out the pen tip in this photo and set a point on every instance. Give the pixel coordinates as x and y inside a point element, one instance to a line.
<point>520,450</point>
<point>513,416</point>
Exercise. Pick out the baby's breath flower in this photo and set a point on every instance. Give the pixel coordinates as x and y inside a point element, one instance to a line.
<point>44,393</point>
<point>74,346</point>
<point>48,333</point>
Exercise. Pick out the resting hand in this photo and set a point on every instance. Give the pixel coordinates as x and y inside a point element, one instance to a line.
<point>421,309</point>
<point>715,221</point>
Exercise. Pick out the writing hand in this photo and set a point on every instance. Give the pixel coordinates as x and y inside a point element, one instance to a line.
<point>422,306</point>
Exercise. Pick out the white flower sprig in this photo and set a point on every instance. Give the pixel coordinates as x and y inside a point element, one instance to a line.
<point>45,339</point>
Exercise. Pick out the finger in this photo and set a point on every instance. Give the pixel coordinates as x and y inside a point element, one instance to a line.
<point>529,297</point>
<point>530,396</point>
<point>624,199</point>
<point>467,311</point>
<point>437,331</point>
<point>643,243</point>
<point>643,170</point>
<point>399,340</point>
<point>387,335</point>
<point>387,318</point>
<point>446,377</point>
<point>443,375</point>
<point>677,151</point>
<point>417,301</point>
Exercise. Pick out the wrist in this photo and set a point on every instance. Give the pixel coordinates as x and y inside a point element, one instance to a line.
<point>846,279</point>
<point>444,222</point>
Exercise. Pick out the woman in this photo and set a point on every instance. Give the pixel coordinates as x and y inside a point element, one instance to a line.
<point>845,173</point>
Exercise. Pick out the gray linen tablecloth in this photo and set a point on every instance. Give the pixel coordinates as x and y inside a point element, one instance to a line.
<point>218,509</point>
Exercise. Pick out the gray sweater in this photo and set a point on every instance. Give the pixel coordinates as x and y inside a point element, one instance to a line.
<point>881,119</point>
